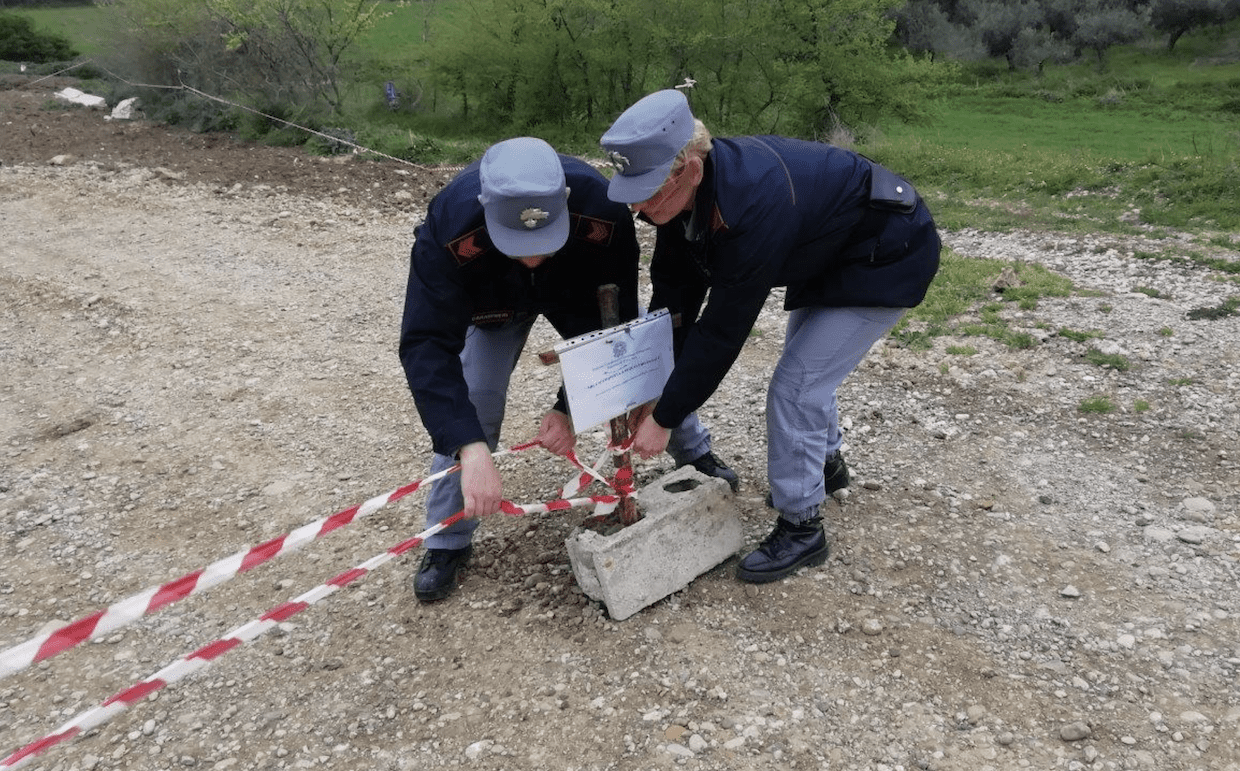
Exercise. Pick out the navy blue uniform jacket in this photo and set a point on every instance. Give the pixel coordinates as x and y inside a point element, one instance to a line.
<point>773,211</point>
<point>457,278</point>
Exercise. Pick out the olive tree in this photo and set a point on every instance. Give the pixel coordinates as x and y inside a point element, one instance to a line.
<point>792,66</point>
<point>1100,28</point>
<point>1176,17</point>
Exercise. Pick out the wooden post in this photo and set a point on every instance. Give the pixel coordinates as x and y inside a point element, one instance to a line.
<point>609,311</point>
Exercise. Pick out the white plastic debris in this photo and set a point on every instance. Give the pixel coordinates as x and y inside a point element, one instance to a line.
<point>82,98</point>
<point>125,109</point>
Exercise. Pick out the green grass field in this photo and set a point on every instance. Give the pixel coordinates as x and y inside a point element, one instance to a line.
<point>1076,147</point>
<point>1126,130</point>
<point>84,26</point>
<point>1071,148</point>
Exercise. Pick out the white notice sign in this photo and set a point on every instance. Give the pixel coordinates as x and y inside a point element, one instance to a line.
<point>609,372</point>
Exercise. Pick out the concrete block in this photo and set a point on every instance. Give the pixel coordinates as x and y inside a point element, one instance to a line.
<point>690,524</point>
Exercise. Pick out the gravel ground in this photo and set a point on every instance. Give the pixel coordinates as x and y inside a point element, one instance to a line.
<point>197,348</point>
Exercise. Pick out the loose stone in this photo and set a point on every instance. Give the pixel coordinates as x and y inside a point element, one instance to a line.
<point>1074,732</point>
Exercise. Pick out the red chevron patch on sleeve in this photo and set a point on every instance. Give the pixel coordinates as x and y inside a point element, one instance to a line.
<point>716,220</point>
<point>470,246</point>
<point>594,230</point>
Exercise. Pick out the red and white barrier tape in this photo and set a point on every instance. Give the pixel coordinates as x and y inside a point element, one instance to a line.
<point>622,483</point>
<point>582,480</point>
<point>204,656</point>
<point>152,599</point>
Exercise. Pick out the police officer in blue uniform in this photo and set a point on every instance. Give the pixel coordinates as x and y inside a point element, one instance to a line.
<point>521,232</point>
<point>853,243</point>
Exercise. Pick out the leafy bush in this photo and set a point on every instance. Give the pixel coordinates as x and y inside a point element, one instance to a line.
<point>21,42</point>
<point>181,109</point>
<point>332,140</point>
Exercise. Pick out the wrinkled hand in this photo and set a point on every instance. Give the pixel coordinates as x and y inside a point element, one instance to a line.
<point>480,482</point>
<point>556,433</point>
<point>650,439</point>
<point>640,413</point>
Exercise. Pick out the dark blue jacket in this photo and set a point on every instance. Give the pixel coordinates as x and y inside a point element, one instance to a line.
<point>457,278</point>
<point>773,211</point>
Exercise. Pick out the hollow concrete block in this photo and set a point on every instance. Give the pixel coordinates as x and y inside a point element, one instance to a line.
<point>690,524</point>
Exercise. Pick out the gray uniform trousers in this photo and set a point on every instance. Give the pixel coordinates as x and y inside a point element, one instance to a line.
<point>821,347</point>
<point>489,357</point>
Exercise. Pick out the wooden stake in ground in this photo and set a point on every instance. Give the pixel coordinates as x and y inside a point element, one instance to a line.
<point>609,311</point>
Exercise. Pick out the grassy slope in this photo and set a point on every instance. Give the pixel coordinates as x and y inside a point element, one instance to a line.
<point>82,25</point>
<point>1150,130</point>
<point>1157,130</point>
<point>992,129</point>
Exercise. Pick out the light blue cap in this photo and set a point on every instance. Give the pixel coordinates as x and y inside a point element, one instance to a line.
<point>524,197</point>
<point>643,143</point>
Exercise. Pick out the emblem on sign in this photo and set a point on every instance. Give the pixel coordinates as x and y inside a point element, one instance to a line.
<point>533,217</point>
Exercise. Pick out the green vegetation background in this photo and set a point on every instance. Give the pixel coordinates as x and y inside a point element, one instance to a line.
<point>1073,147</point>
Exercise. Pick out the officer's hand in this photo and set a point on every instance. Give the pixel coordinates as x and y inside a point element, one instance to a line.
<point>480,482</point>
<point>556,433</point>
<point>650,439</point>
<point>640,413</point>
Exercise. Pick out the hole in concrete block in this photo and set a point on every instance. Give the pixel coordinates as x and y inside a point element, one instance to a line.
<point>681,485</point>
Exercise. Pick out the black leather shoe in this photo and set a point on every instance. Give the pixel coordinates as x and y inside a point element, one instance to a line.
<point>788,548</point>
<point>711,466</point>
<point>436,577</point>
<point>834,475</point>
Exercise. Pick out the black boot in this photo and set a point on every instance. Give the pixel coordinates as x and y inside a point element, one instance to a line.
<point>437,573</point>
<point>788,548</point>
<point>834,475</point>
<point>711,466</point>
<point>835,472</point>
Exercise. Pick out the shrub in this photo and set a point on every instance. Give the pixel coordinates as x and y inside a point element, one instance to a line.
<point>179,108</point>
<point>21,42</point>
<point>332,140</point>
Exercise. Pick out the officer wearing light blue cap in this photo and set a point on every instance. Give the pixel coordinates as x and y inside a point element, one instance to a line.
<point>524,197</point>
<point>853,244</point>
<point>644,144</point>
<point>522,232</point>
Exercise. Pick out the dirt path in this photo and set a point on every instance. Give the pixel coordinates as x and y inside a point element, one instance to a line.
<point>197,354</point>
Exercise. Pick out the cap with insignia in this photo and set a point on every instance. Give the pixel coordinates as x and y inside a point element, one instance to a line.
<point>524,197</point>
<point>643,143</point>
